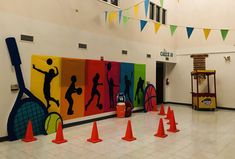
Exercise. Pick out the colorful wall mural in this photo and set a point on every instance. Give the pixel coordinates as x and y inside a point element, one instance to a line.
<point>76,87</point>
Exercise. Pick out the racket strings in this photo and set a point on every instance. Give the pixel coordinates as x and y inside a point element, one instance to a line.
<point>29,110</point>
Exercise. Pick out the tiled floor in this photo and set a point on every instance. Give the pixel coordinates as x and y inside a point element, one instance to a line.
<point>203,135</point>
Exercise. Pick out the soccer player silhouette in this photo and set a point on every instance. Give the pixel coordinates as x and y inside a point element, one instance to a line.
<point>48,77</point>
<point>95,91</point>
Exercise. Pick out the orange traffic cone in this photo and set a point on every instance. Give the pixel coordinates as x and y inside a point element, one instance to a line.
<point>129,135</point>
<point>162,111</point>
<point>29,133</point>
<point>171,117</point>
<point>161,131</point>
<point>59,135</point>
<point>94,135</point>
<point>168,113</point>
<point>172,123</point>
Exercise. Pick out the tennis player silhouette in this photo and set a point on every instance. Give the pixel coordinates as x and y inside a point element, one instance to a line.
<point>140,87</point>
<point>127,87</point>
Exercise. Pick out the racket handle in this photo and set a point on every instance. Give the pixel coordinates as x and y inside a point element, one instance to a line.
<point>13,51</point>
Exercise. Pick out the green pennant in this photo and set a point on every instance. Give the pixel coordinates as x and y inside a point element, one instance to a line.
<point>161,2</point>
<point>173,29</point>
<point>224,33</point>
<point>125,19</point>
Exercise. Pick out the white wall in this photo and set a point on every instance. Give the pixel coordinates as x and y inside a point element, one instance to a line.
<point>212,14</point>
<point>58,29</point>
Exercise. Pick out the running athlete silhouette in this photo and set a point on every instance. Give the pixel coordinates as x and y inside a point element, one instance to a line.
<point>111,86</point>
<point>127,87</point>
<point>95,91</point>
<point>140,86</point>
<point>49,76</point>
<point>68,96</point>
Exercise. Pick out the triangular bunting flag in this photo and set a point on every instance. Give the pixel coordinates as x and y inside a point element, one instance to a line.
<point>142,24</point>
<point>115,14</point>
<point>189,31</point>
<point>125,19</point>
<point>173,29</point>
<point>105,15</point>
<point>112,16</point>
<point>224,33</point>
<point>146,6</point>
<point>156,27</point>
<point>126,12</point>
<point>161,2</point>
<point>206,32</point>
<point>120,16</point>
<point>136,10</point>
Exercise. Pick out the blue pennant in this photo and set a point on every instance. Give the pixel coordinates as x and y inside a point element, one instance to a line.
<point>142,24</point>
<point>146,6</point>
<point>189,31</point>
<point>120,16</point>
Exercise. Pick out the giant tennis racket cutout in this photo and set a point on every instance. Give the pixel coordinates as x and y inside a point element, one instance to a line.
<point>150,98</point>
<point>26,107</point>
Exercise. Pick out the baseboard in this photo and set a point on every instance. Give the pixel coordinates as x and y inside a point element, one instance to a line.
<point>225,108</point>
<point>187,104</point>
<point>4,138</point>
<point>177,103</point>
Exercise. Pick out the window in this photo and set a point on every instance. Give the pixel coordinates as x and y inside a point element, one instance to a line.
<point>157,13</point>
<point>163,16</point>
<point>151,13</point>
<point>113,2</point>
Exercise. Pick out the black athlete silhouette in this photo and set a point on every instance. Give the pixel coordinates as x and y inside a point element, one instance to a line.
<point>111,86</point>
<point>49,76</point>
<point>140,87</point>
<point>68,96</point>
<point>95,91</point>
<point>127,87</point>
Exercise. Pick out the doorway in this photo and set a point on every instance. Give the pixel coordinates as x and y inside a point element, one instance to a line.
<point>160,81</point>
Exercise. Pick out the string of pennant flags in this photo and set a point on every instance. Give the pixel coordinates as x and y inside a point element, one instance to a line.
<point>122,16</point>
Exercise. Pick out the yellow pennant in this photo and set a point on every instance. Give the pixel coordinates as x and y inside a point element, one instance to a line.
<point>156,27</point>
<point>206,32</point>
<point>112,16</point>
<point>136,10</point>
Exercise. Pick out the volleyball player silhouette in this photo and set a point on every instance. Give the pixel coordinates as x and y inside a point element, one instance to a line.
<point>95,91</point>
<point>140,86</point>
<point>49,76</point>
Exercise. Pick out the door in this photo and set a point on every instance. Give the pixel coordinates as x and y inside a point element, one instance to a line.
<point>159,81</point>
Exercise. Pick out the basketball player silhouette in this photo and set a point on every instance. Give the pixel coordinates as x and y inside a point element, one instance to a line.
<point>111,86</point>
<point>68,96</point>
